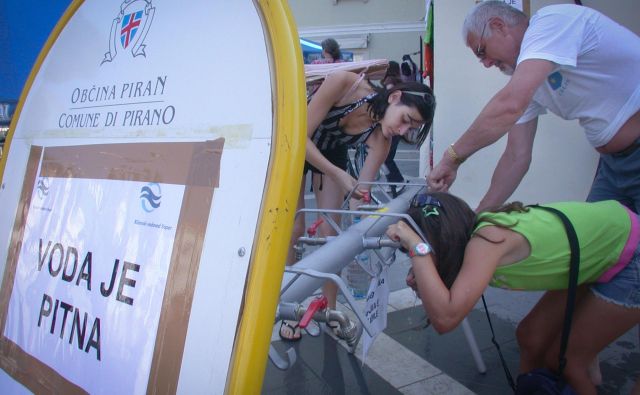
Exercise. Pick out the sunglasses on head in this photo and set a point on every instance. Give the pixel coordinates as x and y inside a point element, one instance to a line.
<point>425,199</point>
<point>428,203</point>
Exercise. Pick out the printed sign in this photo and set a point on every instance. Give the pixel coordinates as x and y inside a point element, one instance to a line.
<point>519,4</point>
<point>376,309</point>
<point>115,130</point>
<point>84,299</point>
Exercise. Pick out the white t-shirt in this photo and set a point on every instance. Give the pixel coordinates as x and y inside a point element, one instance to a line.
<point>597,78</point>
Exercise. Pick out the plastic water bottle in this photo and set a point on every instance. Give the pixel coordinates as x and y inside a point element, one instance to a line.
<point>356,278</point>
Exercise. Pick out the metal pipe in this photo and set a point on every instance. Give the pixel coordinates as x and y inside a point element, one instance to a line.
<point>349,331</point>
<point>334,255</point>
<point>473,346</point>
<point>338,252</point>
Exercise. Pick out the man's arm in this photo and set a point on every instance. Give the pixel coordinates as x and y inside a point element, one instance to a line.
<point>495,120</point>
<point>505,108</point>
<point>512,166</point>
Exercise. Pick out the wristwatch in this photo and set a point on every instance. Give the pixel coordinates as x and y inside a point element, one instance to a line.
<point>420,249</point>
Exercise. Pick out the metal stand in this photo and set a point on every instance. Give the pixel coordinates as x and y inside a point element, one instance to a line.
<point>334,253</point>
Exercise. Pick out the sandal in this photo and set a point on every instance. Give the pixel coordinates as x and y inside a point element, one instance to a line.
<point>288,332</point>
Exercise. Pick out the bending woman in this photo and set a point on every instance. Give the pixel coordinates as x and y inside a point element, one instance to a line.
<point>347,110</point>
<point>523,248</point>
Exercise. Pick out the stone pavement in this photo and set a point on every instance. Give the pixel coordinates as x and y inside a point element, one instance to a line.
<point>409,357</point>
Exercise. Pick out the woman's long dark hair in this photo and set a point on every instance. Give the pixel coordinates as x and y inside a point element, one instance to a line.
<point>332,47</point>
<point>414,94</point>
<point>449,232</point>
<point>392,76</point>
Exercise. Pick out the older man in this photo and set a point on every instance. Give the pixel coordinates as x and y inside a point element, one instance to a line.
<point>568,59</point>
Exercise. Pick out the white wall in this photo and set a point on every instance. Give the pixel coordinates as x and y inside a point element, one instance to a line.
<point>563,162</point>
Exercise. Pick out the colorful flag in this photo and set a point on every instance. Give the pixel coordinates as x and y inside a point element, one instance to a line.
<point>428,43</point>
<point>428,62</point>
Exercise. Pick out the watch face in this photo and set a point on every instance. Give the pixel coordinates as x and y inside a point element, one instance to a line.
<point>422,249</point>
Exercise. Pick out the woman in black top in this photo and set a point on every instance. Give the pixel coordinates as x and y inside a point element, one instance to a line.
<point>344,111</point>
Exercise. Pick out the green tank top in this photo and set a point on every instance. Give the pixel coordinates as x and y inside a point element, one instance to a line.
<point>602,228</point>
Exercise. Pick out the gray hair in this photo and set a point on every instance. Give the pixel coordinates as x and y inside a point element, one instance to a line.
<point>480,15</point>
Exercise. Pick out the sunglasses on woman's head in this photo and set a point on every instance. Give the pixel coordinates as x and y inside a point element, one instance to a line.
<point>428,203</point>
<point>425,199</point>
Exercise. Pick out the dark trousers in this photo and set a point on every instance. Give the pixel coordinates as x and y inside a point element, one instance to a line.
<point>394,174</point>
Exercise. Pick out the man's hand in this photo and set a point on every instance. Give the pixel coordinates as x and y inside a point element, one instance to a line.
<point>442,176</point>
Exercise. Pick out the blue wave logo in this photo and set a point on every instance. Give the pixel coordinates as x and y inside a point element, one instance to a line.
<point>555,80</point>
<point>42,187</point>
<point>150,196</point>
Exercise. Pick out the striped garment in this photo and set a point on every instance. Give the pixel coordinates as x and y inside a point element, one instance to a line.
<point>328,135</point>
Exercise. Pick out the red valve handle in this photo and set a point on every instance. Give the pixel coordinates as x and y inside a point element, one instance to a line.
<point>313,229</point>
<point>319,303</point>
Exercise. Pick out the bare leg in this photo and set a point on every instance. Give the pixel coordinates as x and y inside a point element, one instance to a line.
<point>636,388</point>
<point>595,375</point>
<point>298,227</point>
<point>289,330</point>
<point>589,337</point>
<point>328,197</point>
<point>540,328</point>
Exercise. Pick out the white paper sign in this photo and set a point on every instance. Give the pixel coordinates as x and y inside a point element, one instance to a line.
<point>90,279</point>
<point>514,3</point>
<point>375,311</point>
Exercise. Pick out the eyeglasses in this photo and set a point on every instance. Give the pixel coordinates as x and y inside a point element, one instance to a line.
<point>480,52</point>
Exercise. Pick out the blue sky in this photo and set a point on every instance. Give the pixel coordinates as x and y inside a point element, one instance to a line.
<point>24,28</point>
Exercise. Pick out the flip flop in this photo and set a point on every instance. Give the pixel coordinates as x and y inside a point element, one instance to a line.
<point>293,328</point>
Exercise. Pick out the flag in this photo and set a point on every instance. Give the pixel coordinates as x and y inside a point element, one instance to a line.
<point>428,43</point>
<point>428,62</point>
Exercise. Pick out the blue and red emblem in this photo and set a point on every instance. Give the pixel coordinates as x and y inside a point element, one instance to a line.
<point>130,28</point>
